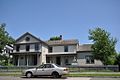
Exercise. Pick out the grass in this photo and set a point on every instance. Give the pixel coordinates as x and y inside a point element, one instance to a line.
<point>89,70</point>
<point>10,74</point>
<point>92,75</point>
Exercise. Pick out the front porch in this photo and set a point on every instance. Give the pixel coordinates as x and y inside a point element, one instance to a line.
<point>63,60</point>
<point>26,59</point>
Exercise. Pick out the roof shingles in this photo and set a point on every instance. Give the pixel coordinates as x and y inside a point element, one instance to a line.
<point>62,42</point>
<point>85,47</point>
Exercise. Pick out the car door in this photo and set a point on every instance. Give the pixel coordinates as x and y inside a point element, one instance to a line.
<point>48,69</point>
<point>39,70</point>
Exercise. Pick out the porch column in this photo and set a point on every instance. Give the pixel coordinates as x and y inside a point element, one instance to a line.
<point>27,60</point>
<point>18,61</point>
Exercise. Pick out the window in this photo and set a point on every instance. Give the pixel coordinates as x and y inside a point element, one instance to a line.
<point>21,58</point>
<point>17,47</point>
<point>48,66</point>
<point>50,49</point>
<point>66,61</point>
<point>89,59</point>
<point>27,47</point>
<point>27,39</point>
<point>65,48</point>
<point>36,47</point>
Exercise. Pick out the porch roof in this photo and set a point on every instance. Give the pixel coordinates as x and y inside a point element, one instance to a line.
<point>25,53</point>
<point>62,53</point>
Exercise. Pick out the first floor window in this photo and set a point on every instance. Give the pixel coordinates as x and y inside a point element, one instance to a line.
<point>89,59</point>
<point>66,61</point>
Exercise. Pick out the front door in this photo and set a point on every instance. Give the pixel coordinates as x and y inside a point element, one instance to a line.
<point>22,60</point>
<point>58,60</point>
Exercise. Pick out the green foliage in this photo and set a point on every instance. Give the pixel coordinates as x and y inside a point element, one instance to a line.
<point>104,46</point>
<point>117,60</point>
<point>3,60</point>
<point>55,38</point>
<point>4,37</point>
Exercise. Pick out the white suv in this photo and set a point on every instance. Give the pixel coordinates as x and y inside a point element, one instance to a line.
<point>46,70</point>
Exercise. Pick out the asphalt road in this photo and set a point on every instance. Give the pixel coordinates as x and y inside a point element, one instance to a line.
<point>49,78</point>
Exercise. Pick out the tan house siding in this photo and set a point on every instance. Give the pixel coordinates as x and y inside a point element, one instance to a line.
<point>82,60</point>
<point>72,48</point>
<point>58,49</point>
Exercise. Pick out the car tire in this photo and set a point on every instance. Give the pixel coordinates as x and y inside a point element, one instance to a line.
<point>28,74</point>
<point>55,75</point>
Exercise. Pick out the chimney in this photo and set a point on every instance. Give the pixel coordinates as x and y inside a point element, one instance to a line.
<point>60,37</point>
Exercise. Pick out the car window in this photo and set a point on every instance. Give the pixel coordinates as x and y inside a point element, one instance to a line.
<point>41,66</point>
<point>48,66</point>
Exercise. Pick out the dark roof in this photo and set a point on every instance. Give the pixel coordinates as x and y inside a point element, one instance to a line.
<point>27,33</point>
<point>62,42</point>
<point>84,47</point>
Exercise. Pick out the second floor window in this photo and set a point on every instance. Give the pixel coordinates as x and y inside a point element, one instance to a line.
<point>65,48</point>
<point>27,47</point>
<point>50,49</point>
<point>17,47</point>
<point>36,47</point>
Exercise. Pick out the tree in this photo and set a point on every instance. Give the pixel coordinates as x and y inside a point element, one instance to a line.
<point>56,38</point>
<point>103,46</point>
<point>117,60</point>
<point>5,39</point>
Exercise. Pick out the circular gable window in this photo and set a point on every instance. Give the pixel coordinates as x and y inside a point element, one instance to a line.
<point>27,39</point>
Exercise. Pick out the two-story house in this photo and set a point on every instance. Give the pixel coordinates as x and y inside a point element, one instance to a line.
<point>31,51</point>
<point>62,52</point>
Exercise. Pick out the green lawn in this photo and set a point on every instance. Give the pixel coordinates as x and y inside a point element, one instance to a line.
<point>92,75</point>
<point>10,74</point>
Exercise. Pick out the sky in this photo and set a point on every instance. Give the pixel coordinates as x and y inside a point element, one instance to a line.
<point>70,18</point>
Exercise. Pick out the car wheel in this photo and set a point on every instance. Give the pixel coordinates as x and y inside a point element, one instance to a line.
<point>55,75</point>
<point>28,74</point>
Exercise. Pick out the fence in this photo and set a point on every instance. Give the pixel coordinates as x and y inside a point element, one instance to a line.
<point>108,68</point>
<point>14,68</point>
